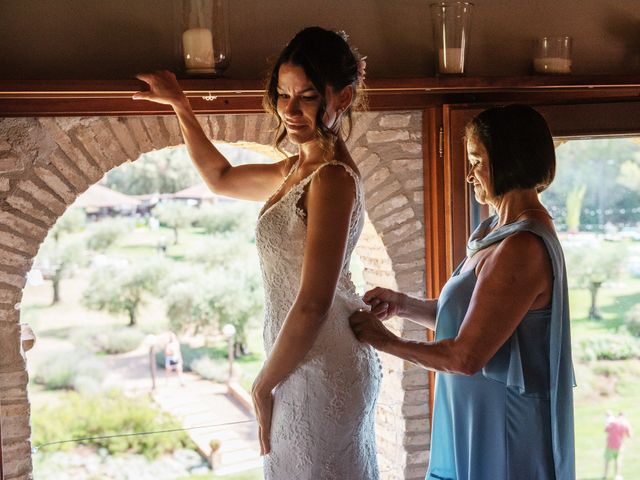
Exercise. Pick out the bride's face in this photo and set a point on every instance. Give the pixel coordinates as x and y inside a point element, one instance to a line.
<point>299,102</point>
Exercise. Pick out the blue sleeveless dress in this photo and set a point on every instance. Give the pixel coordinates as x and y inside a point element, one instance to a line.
<point>513,420</point>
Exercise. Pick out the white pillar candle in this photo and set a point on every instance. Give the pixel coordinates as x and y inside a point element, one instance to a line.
<point>197,44</point>
<point>552,65</point>
<point>450,60</point>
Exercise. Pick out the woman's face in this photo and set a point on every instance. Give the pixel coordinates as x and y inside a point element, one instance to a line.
<point>299,102</point>
<point>479,172</point>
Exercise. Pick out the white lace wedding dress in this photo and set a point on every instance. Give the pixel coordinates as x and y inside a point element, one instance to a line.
<point>324,412</point>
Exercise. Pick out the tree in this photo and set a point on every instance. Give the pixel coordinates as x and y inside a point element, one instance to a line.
<point>174,215</point>
<point>56,260</point>
<point>106,232</point>
<point>629,176</point>
<point>227,217</point>
<point>596,164</point>
<point>189,307</point>
<point>162,171</point>
<point>591,267</point>
<point>59,253</point>
<point>206,302</point>
<point>239,300</point>
<point>574,208</point>
<point>120,290</point>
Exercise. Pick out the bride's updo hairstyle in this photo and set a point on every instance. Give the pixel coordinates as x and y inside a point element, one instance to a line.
<point>328,61</point>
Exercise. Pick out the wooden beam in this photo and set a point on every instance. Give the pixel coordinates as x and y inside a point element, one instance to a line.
<point>105,97</point>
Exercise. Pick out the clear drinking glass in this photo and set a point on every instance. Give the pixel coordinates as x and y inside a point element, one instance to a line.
<point>553,55</point>
<point>451,25</point>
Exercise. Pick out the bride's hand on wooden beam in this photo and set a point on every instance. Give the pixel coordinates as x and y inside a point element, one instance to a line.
<point>163,88</point>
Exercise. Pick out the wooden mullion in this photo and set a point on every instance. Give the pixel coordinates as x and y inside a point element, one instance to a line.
<point>434,217</point>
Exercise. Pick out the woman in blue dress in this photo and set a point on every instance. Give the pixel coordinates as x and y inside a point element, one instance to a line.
<point>503,404</point>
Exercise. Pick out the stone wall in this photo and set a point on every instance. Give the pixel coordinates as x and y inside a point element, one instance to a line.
<point>45,163</point>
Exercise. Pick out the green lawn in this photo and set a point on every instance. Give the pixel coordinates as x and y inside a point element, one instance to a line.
<point>143,242</point>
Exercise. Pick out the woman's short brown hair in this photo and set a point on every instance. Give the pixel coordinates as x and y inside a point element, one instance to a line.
<point>520,147</point>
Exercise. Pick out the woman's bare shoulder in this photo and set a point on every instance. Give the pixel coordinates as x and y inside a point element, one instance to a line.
<point>523,253</point>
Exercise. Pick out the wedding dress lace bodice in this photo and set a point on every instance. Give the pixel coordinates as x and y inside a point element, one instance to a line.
<point>323,420</point>
<point>280,237</point>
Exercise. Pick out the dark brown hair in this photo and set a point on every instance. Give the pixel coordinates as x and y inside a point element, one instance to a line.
<point>520,147</point>
<point>328,61</point>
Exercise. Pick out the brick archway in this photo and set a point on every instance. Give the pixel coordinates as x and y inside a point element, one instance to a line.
<point>46,162</point>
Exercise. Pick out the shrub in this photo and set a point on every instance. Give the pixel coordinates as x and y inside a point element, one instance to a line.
<point>117,341</point>
<point>70,370</point>
<point>632,321</point>
<point>609,347</point>
<point>211,369</point>
<point>80,416</point>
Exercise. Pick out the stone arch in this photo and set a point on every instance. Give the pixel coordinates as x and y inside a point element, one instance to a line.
<point>45,163</point>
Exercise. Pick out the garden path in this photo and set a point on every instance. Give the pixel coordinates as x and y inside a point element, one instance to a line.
<point>199,402</point>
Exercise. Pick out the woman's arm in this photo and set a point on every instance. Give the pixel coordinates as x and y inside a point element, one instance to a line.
<point>386,303</point>
<point>250,182</point>
<point>330,201</point>
<point>510,281</point>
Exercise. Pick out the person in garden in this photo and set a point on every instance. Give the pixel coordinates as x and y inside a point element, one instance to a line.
<point>173,361</point>
<point>618,429</point>
<point>315,396</point>
<point>503,404</point>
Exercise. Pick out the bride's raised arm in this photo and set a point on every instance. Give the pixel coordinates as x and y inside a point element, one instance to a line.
<point>249,182</point>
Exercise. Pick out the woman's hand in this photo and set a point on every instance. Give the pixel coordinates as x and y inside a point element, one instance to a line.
<point>369,329</point>
<point>263,405</point>
<point>163,88</point>
<point>384,303</point>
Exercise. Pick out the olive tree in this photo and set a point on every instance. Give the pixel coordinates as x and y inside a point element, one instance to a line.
<point>124,290</point>
<point>57,259</point>
<point>591,267</point>
<point>174,215</point>
<point>106,233</point>
<point>204,302</point>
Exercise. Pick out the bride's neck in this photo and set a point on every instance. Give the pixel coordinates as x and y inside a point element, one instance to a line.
<point>314,150</point>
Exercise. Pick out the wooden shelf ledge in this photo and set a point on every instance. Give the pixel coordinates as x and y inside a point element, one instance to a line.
<point>113,97</point>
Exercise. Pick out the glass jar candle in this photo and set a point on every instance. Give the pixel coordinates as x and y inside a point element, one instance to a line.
<point>451,25</point>
<point>205,37</point>
<point>553,55</point>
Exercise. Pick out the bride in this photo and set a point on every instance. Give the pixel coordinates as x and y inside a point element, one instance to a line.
<point>315,395</point>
